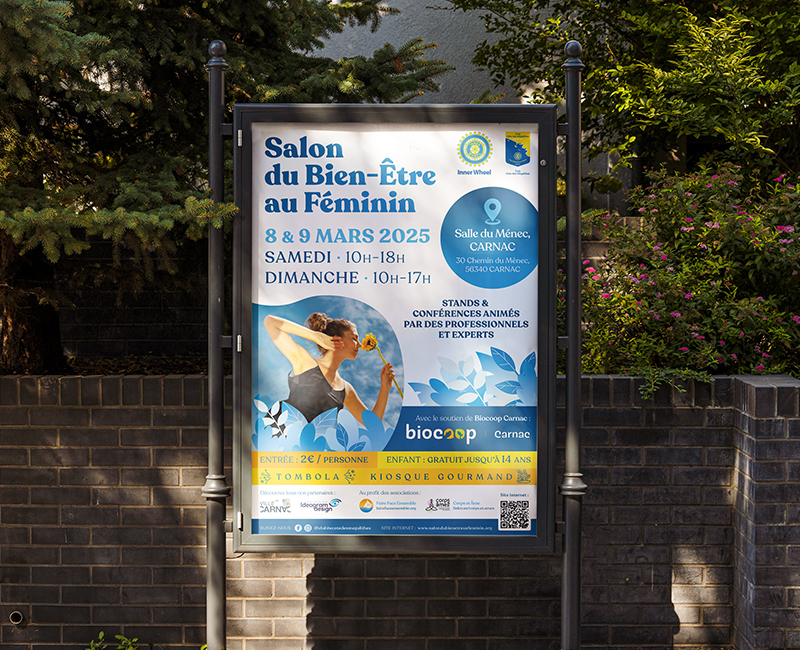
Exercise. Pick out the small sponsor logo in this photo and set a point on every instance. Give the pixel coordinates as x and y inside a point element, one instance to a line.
<point>418,433</point>
<point>275,507</point>
<point>321,506</point>
<point>518,148</point>
<point>474,148</point>
<point>436,505</point>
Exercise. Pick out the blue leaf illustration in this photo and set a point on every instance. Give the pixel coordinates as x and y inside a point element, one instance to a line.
<point>503,360</point>
<point>372,423</point>
<point>530,359</point>
<point>487,363</point>
<point>358,446</point>
<point>459,384</point>
<point>341,436</point>
<point>423,391</point>
<point>510,387</point>
<point>309,440</point>
<point>448,364</point>
<point>326,419</point>
<point>527,391</point>
<point>438,385</point>
<point>443,395</point>
<point>262,437</point>
<point>446,397</point>
<point>293,415</point>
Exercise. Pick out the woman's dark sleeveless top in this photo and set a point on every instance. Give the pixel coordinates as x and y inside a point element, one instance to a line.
<point>311,394</point>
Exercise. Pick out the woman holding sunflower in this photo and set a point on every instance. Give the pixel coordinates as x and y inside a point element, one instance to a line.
<point>315,385</point>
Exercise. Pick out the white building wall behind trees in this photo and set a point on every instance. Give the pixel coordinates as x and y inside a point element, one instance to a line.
<point>455,33</point>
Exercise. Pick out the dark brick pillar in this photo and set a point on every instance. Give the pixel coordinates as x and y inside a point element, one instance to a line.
<point>767,479</point>
<point>657,566</point>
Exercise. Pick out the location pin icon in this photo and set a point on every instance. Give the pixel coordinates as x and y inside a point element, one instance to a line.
<point>492,208</point>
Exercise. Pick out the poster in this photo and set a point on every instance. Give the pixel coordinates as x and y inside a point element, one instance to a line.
<point>425,238</point>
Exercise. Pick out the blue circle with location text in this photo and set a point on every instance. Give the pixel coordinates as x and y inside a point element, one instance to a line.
<point>490,237</point>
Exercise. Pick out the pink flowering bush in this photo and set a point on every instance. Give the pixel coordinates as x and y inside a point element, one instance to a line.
<point>704,281</point>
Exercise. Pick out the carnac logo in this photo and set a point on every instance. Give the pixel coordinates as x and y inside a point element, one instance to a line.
<point>274,507</point>
<point>474,148</point>
<point>366,505</point>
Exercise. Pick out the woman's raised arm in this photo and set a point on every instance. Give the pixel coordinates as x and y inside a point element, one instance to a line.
<point>354,404</point>
<point>281,330</point>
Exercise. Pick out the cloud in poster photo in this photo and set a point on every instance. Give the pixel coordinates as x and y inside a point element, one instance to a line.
<point>271,368</point>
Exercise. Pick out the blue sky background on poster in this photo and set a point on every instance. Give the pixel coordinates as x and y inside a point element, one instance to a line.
<point>271,368</point>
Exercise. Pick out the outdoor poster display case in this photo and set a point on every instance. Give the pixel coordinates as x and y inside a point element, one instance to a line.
<point>430,230</point>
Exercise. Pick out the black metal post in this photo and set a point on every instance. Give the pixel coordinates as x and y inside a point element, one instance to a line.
<point>573,488</point>
<point>215,489</point>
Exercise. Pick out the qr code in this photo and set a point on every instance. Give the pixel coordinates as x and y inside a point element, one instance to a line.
<point>515,515</point>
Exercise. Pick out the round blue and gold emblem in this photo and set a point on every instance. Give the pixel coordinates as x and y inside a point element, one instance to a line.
<point>474,148</point>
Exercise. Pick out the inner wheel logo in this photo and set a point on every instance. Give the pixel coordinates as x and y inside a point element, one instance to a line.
<point>474,148</point>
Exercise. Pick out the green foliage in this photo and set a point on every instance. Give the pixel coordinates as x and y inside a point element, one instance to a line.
<point>605,184</point>
<point>392,74</point>
<point>103,126</point>
<point>36,36</point>
<point>705,280</point>
<point>146,235</point>
<point>103,104</point>
<point>722,74</point>
<point>654,378</point>
<point>123,643</point>
<point>719,83</point>
<point>488,97</point>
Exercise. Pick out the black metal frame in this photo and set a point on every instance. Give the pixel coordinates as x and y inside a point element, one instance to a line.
<point>573,488</point>
<point>245,116</point>
<point>215,490</point>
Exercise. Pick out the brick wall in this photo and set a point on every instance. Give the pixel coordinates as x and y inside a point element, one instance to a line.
<point>766,546</point>
<point>690,532</point>
<point>657,544</point>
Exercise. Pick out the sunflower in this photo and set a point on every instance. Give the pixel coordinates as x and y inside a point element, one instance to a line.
<point>369,343</point>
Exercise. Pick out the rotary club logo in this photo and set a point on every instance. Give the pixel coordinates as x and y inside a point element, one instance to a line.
<point>474,148</point>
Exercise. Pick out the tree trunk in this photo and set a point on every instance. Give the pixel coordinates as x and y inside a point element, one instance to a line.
<point>30,337</point>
